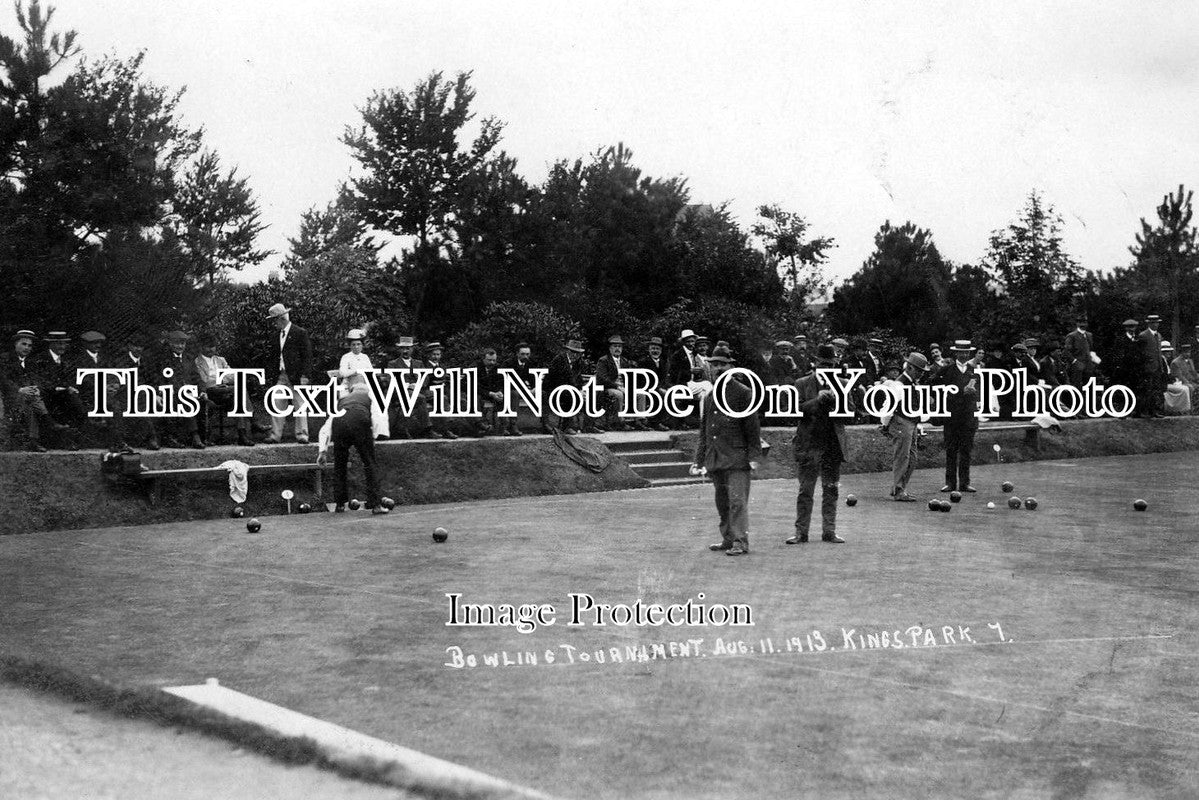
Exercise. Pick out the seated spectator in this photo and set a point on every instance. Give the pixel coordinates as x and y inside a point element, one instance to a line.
<point>399,424</point>
<point>59,389</point>
<point>491,391</point>
<point>656,363</point>
<point>521,364</point>
<point>1176,394</point>
<point>217,394</point>
<point>440,425</point>
<point>20,385</point>
<point>1182,369</point>
<point>174,368</point>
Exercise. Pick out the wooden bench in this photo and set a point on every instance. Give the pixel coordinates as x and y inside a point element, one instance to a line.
<point>152,479</point>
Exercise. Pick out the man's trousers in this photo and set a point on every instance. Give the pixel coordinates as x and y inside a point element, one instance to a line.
<point>732,504</point>
<point>809,466</point>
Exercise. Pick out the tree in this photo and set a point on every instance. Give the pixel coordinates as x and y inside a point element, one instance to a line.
<point>1040,281</point>
<point>785,237</point>
<point>1166,256</point>
<point>716,260</point>
<point>93,171</point>
<point>415,169</point>
<point>337,225</point>
<point>216,220</point>
<point>902,286</point>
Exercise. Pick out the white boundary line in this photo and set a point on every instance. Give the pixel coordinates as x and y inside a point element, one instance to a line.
<point>345,746</point>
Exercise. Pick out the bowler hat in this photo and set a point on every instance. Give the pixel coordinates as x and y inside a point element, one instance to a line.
<point>721,355</point>
<point>826,354</point>
<point>615,340</point>
<point>917,360</point>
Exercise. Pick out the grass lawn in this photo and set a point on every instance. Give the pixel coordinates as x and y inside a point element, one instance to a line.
<point>1092,693</point>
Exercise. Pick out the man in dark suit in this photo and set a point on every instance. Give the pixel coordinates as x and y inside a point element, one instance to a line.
<point>607,375</point>
<point>174,431</point>
<point>728,451</point>
<point>1150,341</point>
<point>655,362</point>
<point>1125,367</point>
<point>962,424</point>
<point>407,364</point>
<point>820,449</point>
<point>291,362</point>
<point>58,381</point>
<point>491,391</point>
<point>139,430</point>
<point>684,358</point>
<point>21,387</point>
<point>1052,370</point>
<point>1078,353</point>
<point>565,369</point>
<point>432,359</point>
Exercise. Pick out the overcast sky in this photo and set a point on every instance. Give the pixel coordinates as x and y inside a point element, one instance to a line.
<point>849,113</point>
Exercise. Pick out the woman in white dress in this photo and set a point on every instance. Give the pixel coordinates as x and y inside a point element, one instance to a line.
<point>357,361</point>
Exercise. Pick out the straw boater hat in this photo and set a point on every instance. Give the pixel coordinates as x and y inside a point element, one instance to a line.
<point>56,336</point>
<point>1019,347</point>
<point>433,346</point>
<point>1031,342</point>
<point>1166,346</point>
<point>839,342</point>
<point>24,334</point>
<point>574,345</point>
<point>702,339</point>
<point>874,340</point>
<point>355,335</point>
<point>1153,318</point>
<point>962,346</point>
<point>782,344</point>
<point>277,310</point>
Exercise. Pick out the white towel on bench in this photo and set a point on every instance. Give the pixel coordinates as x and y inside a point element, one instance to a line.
<point>239,480</point>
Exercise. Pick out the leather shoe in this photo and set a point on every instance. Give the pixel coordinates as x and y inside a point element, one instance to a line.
<point>970,489</point>
<point>449,435</point>
<point>834,539</point>
<point>720,546</point>
<point>197,443</point>
<point>947,488</point>
<point>798,539</point>
<point>904,497</point>
<point>737,549</point>
<point>270,440</point>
